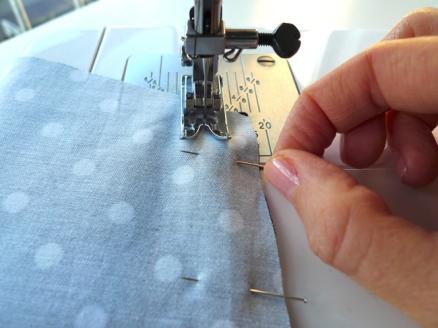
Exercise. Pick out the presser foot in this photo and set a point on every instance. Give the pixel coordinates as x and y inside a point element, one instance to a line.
<point>197,116</point>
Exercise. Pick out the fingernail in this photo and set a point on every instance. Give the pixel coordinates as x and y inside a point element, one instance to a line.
<point>282,175</point>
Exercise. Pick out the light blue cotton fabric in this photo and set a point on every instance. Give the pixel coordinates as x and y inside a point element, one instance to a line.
<point>104,222</point>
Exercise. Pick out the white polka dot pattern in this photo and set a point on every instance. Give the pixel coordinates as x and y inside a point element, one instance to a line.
<point>167,269</point>
<point>142,136</point>
<point>183,175</point>
<point>15,202</point>
<point>48,256</point>
<point>231,221</point>
<point>52,130</point>
<point>24,95</point>
<point>109,105</point>
<point>91,316</point>
<point>84,167</point>
<point>121,213</point>
<point>238,142</point>
<point>102,212</point>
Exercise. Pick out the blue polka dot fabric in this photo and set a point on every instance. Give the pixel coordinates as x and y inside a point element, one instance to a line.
<point>108,219</point>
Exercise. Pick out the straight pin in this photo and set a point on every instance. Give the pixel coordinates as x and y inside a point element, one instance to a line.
<point>190,152</point>
<point>190,279</point>
<point>262,292</point>
<point>260,166</point>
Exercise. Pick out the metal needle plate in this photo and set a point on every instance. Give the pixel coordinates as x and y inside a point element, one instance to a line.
<point>261,85</point>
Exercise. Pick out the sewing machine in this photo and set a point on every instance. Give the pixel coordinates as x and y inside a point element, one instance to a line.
<point>151,57</point>
<point>206,40</point>
<point>212,76</point>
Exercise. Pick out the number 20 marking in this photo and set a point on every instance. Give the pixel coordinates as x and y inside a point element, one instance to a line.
<point>265,125</point>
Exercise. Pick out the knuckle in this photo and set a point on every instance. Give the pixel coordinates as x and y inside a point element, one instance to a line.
<point>340,240</point>
<point>372,54</point>
<point>311,129</point>
<point>327,247</point>
<point>415,23</point>
<point>418,17</point>
<point>367,198</point>
<point>422,12</point>
<point>326,238</point>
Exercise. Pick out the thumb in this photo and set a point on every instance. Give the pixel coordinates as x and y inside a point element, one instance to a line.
<point>350,228</point>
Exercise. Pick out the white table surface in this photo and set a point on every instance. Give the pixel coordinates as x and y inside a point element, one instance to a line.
<point>335,300</point>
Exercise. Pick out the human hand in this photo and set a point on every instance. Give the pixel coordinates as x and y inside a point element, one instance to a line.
<point>387,93</point>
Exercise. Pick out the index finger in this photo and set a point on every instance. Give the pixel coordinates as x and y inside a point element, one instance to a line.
<point>398,74</point>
